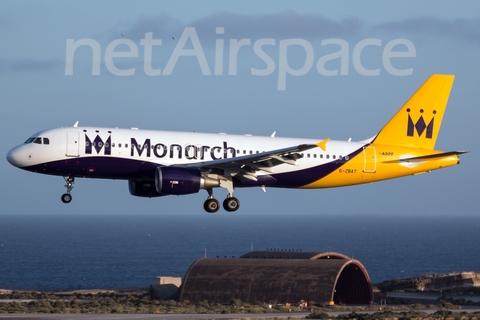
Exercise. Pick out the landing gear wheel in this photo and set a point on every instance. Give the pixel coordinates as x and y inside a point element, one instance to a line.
<point>211,205</point>
<point>231,204</point>
<point>66,198</point>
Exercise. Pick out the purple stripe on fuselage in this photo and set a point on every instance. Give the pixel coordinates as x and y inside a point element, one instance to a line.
<point>98,167</point>
<point>301,178</point>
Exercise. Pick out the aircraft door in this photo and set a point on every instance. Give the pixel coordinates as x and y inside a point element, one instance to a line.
<point>370,161</point>
<point>72,144</point>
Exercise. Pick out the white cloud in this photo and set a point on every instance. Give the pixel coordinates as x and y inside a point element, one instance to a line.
<point>30,64</point>
<point>287,24</point>
<point>466,30</point>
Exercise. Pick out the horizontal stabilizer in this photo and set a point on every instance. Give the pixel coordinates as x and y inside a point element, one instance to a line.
<point>430,156</point>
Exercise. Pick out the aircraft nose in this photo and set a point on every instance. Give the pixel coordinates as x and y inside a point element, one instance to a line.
<point>14,157</point>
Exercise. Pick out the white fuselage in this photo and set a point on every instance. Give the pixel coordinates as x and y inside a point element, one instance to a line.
<point>164,148</point>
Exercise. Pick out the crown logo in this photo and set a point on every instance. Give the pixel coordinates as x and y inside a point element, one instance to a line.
<point>420,126</point>
<point>98,144</point>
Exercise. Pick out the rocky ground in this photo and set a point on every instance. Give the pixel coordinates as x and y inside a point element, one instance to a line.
<point>101,301</point>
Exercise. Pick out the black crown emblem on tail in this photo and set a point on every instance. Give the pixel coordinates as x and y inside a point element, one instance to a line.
<point>420,126</point>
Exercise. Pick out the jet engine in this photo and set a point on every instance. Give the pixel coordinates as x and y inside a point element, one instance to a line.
<point>178,181</point>
<point>144,188</point>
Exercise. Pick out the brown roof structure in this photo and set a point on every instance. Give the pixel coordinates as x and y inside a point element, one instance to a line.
<point>285,279</point>
<point>293,254</point>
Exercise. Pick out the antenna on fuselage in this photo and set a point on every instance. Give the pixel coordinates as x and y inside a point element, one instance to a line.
<point>273,134</point>
<point>76,124</point>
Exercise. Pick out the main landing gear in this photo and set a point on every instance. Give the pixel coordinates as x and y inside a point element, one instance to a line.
<point>67,197</point>
<point>212,205</point>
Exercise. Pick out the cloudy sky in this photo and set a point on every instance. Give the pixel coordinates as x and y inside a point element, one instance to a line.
<point>241,77</point>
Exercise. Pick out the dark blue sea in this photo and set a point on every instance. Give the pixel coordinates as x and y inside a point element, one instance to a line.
<point>70,252</point>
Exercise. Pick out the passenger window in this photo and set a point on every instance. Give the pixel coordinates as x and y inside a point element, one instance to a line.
<point>46,141</point>
<point>119,145</point>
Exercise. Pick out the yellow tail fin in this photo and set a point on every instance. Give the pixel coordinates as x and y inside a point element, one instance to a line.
<point>418,122</point>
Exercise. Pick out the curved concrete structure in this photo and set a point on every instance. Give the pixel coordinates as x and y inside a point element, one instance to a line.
<point>277,280</point>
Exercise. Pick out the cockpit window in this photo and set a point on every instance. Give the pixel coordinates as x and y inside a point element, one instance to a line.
<point>38,140</point>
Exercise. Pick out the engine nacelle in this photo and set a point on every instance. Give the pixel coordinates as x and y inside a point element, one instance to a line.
<point>178,181</point>
<point>143,189</point>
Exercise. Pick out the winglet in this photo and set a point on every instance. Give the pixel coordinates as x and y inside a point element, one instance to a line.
<point>323,144</point>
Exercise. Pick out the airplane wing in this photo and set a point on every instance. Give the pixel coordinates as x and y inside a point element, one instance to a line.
<point>246,167</point>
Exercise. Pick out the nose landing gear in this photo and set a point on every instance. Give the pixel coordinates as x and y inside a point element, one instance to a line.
<point>67,197</point>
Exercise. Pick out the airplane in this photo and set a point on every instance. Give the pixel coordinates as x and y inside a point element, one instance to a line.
<point>161,163</point>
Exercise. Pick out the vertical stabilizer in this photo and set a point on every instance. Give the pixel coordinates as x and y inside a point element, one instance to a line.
<point>418,122</point>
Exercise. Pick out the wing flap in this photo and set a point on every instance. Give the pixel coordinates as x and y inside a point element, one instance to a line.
<point>246,167</point>
<point>257,160</point>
